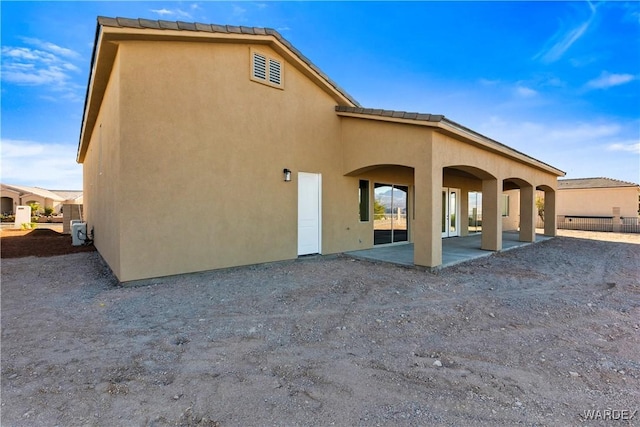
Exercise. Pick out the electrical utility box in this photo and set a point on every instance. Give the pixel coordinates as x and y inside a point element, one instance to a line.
<point>78,233</point>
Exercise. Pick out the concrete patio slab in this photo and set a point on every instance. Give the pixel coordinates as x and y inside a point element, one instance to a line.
<point>454,250</point>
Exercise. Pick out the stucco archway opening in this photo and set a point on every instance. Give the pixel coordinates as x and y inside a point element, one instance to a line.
<point>7,206</point>
<point>468,180</point>
<point>518,208</point>
<point>546,209</point>
<point>386,201</point>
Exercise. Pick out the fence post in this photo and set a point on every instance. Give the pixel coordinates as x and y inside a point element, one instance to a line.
<point>616,220</point>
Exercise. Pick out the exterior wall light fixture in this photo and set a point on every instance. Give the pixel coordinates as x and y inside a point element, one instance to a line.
<point>287,175</point>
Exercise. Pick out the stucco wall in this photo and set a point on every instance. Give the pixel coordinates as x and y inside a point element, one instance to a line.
<point>101,177</point>
<point>511,221</point>
<point>202,153</point>
<point>450,152</point>
<point>183,172</point>
<point>598,201</point>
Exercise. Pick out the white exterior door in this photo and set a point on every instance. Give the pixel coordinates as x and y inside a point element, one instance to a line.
<point>309,208</point>
<point>450,212</point>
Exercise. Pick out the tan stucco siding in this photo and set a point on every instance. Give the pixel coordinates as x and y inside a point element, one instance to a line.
<point>598,201</point>
<point>449,152</point>
<point>203,149</point>
<point>382,152</point>
<point>511,221</point>
<point>101,176</point>
<point>370,143</point>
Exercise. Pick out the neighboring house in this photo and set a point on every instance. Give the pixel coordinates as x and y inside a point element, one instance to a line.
<point>598,197</point>
<point>207,146</point>
<point>20,195</point>
<point>596,204</point>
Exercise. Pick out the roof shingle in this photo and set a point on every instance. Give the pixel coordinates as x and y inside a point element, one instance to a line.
<point>390,113</point>
<point>600,182</point>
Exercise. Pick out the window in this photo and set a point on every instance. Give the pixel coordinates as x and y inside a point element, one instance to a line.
<point>364,200</point>
<point>475,211</point>
<point>266,70</point>
<point>505,205</point>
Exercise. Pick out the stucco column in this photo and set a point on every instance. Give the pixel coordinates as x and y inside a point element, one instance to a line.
<point>527,214</point>
<point>427,237</point>
<point>616,220</point>
<point>550,219</point>
<point>491,214</point>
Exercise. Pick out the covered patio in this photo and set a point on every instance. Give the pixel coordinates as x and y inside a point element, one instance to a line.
<point>454,250</point>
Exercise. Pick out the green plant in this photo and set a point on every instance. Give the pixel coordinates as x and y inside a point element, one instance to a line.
<point>25,226</point>
<point>35,207</point>
<point>48,211</point>
<point>540,207</point>
<point>378,210</point>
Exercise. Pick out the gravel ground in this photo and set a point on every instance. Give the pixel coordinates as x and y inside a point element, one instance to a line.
<point>534,336</point>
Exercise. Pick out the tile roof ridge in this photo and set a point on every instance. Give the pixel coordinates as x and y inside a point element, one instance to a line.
<point>596,177</point>
<point>396,114</point>
<point>600,178</point>
<point>141,23</point>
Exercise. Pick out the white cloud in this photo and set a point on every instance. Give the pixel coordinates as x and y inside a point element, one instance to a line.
<point>598,148</point>
<point>607,80</point>
<point>627,146</point>
<point>51,47</point>
<point>40,164</point>
<point>488,82</point>
<point>525,92</point>
<point>179,13</point>
<point>562,41</point>
<point>238,11</point>
<point>162,12</point>
<point>45,65</point>
<point>632,12</point>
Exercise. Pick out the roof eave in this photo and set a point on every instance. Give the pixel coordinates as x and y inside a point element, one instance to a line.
<point>443,125</point>
<point>85,132</point>
<point>449,126</point>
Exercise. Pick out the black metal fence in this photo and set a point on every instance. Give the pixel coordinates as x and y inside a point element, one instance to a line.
<point>596,223</point>
<point>630,225</point>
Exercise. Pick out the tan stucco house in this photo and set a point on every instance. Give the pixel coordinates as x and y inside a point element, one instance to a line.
<point>21,195</point>
<point>598,197</point>
<point>207,146</point>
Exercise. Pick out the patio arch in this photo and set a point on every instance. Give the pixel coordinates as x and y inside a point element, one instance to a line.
<point>475,178</point>
<point>8,204</point>
<point>526,207</point>
<point>373,167</point>
<point>550,216</point>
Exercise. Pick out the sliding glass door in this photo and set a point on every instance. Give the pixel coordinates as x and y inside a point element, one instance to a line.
<point>390,223</point>
<point>450,212</point>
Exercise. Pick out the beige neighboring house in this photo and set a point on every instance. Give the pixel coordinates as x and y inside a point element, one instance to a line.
<point>207,146</point>
<point>20,195</point>
<point>598,197</point>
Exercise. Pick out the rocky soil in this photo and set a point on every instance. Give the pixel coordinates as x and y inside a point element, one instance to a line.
<point>534,336</point>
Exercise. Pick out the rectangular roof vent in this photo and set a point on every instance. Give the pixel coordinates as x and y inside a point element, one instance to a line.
<point>267,70</point>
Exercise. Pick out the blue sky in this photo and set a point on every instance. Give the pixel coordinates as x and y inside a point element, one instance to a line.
<point>559,81</point>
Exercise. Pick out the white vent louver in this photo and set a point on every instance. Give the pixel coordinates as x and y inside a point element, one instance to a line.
<point>267,70</point>
<point>274,71</point>
<point>259,66</point>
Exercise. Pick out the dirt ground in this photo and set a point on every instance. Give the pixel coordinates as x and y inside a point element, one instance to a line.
<point>534,336</point>
<point>38,242</point>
